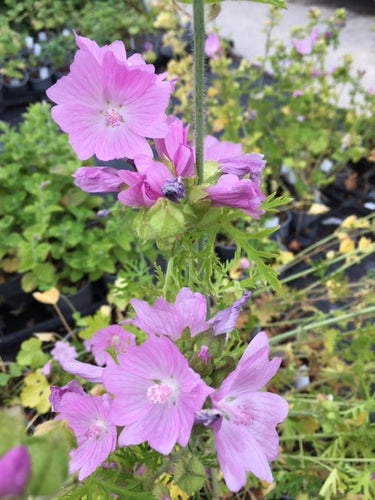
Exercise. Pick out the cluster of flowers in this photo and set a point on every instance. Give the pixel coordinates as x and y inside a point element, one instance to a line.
<point>155,396</point>
<point>108,104</point>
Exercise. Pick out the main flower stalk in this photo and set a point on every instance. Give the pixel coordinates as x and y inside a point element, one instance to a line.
<point>199,37</point>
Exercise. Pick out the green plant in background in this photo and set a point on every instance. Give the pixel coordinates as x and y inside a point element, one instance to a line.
<point>40,15</point>
<point>11,43</point>
<point>105,21</point>
<point>52,232</point>
<point>302,113</point>
<point>58,50</point>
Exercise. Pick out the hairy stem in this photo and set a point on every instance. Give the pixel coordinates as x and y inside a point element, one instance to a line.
<point>199,37</point>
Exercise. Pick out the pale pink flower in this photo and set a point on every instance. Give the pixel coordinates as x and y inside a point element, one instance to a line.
<point>109,107</point>
<point>57,393</point>
<point>212,46</point>
<point>245,435</point>
<point>63,352</point>
<point>215,150</point>
<point>97,179</point>
<point>244,194</point>
<point>188,311</point>
<point>46,369</point>
<point>231,160</point>
<point>91,373</point>
<point>95,433</point>
<point>113,338</point>
<point>176,147</point>
<point>144,186</point>
<point>15,468</point>
<point>304,46</point>
<point>156,395</point>
<point>296,93</point>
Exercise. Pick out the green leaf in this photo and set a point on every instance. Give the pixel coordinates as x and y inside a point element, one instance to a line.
<point>164,220</point>
<point>49,458</point>
<point>101,319</point>
<point>31,354</point>
<point>189,474</point>
<point>12,428</point>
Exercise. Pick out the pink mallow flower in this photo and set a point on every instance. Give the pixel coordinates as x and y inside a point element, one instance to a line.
<point>245,435</point>
<point>156,395</point>
<point>231,160</point>
<point>108,104</point>
<point>95,433</point>
<point>145,186</point>
<point>176,147</point>
<point>304,46</point>
<point>212,46</point>
<point>98,179</point>
<point>57,393</point>
<point>113,338</point>
<point>63,352</point>
<point>15,468</point>
<point>188,311</point>
<point>244,194</point>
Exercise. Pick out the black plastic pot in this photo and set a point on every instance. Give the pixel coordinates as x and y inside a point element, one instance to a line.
<point>225,253</point>
<point>36,317</point>
<point>38,83</point>
<point>14,89</point>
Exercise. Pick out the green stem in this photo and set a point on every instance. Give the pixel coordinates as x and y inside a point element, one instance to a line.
<point>199,37</point>
<point>318,324</point>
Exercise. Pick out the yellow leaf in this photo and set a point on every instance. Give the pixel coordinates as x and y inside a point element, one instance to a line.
<point>36,392</point>
<point>175,493</point>
<point>50,296</point>
<point>45,336</point>
<point>318,209</point>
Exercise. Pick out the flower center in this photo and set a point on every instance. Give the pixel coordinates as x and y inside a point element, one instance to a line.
<point>113,118</point>
<point>115,341</point>
<point>158,393</point>
<point>242,416</point>
<point>96,430</point>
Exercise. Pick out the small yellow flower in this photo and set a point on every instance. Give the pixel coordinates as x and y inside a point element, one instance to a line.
<point>364,242</point>
<point>211,92</point>
<point>219,124</point>
<point>286,110</point>
<point>349,221</point>
<point>346,245</point>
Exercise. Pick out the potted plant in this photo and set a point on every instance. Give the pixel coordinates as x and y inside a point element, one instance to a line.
<point>58,51</point>
<point>12,64</point>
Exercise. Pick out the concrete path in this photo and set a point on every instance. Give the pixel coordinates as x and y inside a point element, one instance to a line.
<point>243,22</point>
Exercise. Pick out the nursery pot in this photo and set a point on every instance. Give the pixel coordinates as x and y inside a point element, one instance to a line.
<point>225,253</point>
<point>15,88</point>
<point>40,79</point>
<point>78,301</point>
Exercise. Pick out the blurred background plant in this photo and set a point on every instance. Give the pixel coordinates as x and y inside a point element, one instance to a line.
<point>309,120</point>
<point>53,233</point>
